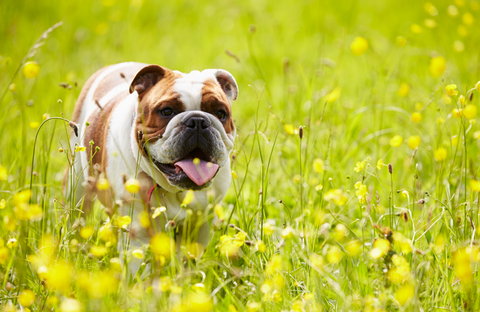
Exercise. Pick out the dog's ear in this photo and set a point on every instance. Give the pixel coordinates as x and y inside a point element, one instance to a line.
<point>146,78</point>
<point>227,82</point>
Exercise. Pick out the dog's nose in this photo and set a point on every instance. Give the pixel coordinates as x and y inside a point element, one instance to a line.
<point>197,122</point>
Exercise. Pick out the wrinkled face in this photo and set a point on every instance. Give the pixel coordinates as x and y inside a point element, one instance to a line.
<point>185,123</point>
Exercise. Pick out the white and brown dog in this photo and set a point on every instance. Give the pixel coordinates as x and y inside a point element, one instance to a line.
<point>151,123</point>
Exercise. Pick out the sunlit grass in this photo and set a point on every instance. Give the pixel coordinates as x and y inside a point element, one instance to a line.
<point>354,177</point>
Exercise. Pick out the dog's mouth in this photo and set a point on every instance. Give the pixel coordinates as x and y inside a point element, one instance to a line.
<point>196,166</point>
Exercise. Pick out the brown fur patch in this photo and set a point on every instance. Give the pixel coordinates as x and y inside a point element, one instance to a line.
<point>159,97</point>
<point>98,130</point>
<point>214,99</point>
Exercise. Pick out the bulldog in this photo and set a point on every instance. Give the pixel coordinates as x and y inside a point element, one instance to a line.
<point>171,131</point>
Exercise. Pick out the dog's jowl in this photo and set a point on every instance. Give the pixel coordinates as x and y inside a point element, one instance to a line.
<point>172,132</point>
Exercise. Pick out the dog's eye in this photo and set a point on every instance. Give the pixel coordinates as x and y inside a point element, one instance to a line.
<point>166,112</point>
<point>222,115</point>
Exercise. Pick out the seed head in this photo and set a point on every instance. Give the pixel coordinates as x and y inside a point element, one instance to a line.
<point>390,168</point>
<point>74,127</point>
<point>300,132</point>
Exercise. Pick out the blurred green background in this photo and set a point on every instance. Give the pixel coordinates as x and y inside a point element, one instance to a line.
<point>286,57</point>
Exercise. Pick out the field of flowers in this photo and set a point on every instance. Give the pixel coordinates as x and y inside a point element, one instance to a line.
<point>355,174</point>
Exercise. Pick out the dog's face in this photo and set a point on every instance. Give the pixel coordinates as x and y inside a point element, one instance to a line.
<point>185,123</point>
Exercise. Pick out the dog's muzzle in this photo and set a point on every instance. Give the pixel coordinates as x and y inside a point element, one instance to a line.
<point>194,147</point>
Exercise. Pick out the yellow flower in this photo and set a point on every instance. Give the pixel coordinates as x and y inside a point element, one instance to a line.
<point>380,248</point>
<point>268,228</point>
<point>353,248</point>
<point>438,64</point>
<point>71,305</point>
<point>416,117</point>
<point>470,111</point>
<point>144,219</point>
<point>106,233</point>
<point>229,247</point>
<point>468,19</point>
<point>359,46</point>
<point>451,89</point>
<point>4,254</point>
<point>3,204</point>
<point>452,10</point>
<point>12,243</point>
<point>405,293</point>
<point>396,141</point>
<point>317,261</point>
<point>132,186</point>
<point>234,175</point>
<point>380,164</point>
<point>288,232</point>
<point>440,154</point>
<point>430,9</point>
<point>336,196</point>
<point>334,255</point>
<point>359,166</point>
<point>461,261</point>
<point>318,165</point>
<point>22,197</point>
<point>98,251</point>
<point>26,298</point>
<point>461,99</point>
<point>123,222</point>
<point>439,242</point>
<point>334,95</point>
<point>158,211</point>
<point>30,70</point>
<point>34,124</point>
<point>401,270</point>
<point>361,193</point>
<point>290,129</point>
<point>138,253</point>
<point>475,185</point>
<point>274,265</point>
<point>340,232</point>
<point>199,301</point>
<point>218,209</point>
<point>403,90</point>
<point>414,141</point>
<point>162,245</point>
<point>261,247</point>
<point>401,41</point>
<point>189,197</point>
<point>416,29</point>
<point>3,173</point>
<point>457,112</point>
<point>86,232</point>
<point>116,264</point>
<point>253,306</point>
<point>430,23</point>
<point>79,149</point>
<point>102,184</point>
<point>59,277</point>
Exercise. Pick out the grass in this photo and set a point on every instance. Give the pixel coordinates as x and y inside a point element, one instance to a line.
<point>341,235</point>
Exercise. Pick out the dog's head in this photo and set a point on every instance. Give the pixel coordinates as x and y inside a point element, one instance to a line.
<point>184,123</point>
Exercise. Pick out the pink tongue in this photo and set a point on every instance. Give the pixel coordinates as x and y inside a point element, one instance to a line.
<point>201,173</point>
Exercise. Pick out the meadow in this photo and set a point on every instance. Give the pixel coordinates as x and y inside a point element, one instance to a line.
<point>355,180</point>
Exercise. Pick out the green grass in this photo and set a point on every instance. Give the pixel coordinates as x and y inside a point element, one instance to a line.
<point>289,56</point>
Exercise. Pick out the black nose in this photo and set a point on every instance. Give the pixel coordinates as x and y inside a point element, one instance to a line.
<point>196,122</point>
